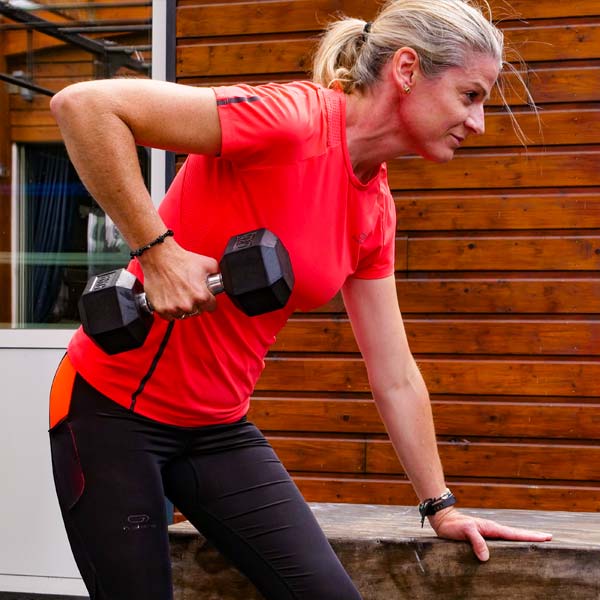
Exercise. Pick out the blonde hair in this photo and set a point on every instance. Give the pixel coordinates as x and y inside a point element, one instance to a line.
<point>443,33</point>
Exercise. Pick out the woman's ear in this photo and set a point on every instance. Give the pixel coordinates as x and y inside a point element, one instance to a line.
<point>405,64</point>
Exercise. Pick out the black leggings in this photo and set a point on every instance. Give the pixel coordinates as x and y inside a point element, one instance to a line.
<point>113,469</point>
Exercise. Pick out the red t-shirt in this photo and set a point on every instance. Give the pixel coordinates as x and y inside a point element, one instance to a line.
<point>284,165</point>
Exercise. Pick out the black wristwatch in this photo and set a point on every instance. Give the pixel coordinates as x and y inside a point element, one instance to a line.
<point>432,505</point>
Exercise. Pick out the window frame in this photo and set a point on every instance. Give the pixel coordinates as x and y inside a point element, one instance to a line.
<point>163,44</point>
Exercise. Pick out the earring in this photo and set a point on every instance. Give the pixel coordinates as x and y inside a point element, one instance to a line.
<point>407,89</point>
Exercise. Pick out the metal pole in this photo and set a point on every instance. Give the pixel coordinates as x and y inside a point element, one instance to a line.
<point>158,183</point>
<point>25,84</point>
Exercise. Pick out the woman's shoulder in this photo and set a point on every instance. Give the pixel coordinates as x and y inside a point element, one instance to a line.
<point>294,99</point>
<point>284,119</point>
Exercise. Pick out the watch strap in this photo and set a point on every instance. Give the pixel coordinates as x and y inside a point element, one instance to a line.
<point>433,505</point>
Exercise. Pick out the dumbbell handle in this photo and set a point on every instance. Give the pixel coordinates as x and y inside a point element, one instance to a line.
<point>214,283</point>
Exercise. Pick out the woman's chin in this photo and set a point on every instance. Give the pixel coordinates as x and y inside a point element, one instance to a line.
<point>439,157</point>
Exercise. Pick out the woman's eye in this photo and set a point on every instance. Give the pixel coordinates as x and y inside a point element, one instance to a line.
<point>471,96</point>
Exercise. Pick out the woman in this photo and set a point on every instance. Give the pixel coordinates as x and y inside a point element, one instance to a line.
<point>307,161</point>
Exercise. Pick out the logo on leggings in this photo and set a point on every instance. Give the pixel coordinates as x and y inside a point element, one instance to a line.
<point>137,522</point>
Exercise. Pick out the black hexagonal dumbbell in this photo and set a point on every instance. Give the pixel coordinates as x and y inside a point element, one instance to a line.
<point>255,272</point>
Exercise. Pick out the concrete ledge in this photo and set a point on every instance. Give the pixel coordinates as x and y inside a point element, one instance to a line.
<point>389,556</point>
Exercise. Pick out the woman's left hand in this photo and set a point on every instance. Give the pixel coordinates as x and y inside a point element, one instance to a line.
<point>454,525</point>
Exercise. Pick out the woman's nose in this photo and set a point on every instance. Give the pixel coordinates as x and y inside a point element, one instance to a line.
<point>476,120</point>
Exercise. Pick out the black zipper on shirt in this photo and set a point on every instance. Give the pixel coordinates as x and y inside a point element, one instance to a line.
<point>153,366</point>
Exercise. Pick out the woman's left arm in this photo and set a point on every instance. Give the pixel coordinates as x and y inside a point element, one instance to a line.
<point>403,402</point>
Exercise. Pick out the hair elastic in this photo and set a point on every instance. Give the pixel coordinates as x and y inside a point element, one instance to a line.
<point>367,27</point>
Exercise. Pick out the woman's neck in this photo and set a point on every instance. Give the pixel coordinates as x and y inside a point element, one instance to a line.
<point>373,133</point>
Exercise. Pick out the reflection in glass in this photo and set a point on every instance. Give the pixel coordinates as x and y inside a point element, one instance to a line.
<point>60,236</point>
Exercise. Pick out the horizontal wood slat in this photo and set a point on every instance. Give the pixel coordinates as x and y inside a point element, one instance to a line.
<point>461,459</point>
<point>505,337</point>
<point>443,376</point>
<point>498,460</point>
<point>244,57</point>
<point>506,294</point>
<point>542,9</point>
<point>54,69</point>
<point>389,490</point>
<point>35,134</point>
<point>454,416</point>
<point>498,210</point>
<point>453,336</point>
<point>499,169</point>
<point>547,42</point>
<point>516,9</point>
<point>337,455</point>
<point>507,377</point>
<point>324,415</point>
<point>39,102</point>
<point>498,253</point>
<point>498,295</point>
<point>563,126</point>
<point>23,118</point>
<point>243,18</point>
<point>525,420</point>
<point>573,83</point>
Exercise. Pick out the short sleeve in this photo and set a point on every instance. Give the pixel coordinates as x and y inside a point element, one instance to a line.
<point>376,259</point>
<point>272,123</point>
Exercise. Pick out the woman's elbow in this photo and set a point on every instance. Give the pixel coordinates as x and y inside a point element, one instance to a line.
<point>79,96</point>
<point>403,381</point>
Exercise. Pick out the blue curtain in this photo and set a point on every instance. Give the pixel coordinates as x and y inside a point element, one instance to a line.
<point>52,194</point>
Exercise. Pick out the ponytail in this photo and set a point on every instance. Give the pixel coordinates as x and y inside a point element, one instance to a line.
<point>442,32</point>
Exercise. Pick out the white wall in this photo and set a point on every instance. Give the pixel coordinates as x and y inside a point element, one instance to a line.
<point>34,553</point>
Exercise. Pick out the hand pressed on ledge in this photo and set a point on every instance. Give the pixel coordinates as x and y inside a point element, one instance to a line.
<point>454,525</point>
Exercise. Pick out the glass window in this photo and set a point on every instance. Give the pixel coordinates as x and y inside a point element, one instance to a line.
<point>64,237</point>
<point>58,235</point>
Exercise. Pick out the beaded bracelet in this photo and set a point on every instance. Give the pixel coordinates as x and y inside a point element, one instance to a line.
<point>159,240</point>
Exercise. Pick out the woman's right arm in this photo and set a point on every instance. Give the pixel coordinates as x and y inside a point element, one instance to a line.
<point>101,122</point>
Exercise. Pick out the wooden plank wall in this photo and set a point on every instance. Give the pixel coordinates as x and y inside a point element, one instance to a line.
<point>497,261</point>
<point>497,273</point>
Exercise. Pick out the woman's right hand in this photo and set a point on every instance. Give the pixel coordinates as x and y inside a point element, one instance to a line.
<point>175,280</point>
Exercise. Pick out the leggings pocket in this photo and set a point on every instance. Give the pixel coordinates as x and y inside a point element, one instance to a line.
<point>66,466</point>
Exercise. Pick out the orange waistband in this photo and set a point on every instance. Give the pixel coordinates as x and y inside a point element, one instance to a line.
<point>61,390</point>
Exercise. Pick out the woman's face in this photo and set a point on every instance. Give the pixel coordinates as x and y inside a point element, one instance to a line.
<point>440,113</point>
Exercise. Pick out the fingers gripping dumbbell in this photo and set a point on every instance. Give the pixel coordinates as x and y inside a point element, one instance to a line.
<point>255,272</point>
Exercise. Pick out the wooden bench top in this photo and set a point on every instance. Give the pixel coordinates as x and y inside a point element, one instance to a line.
<point>369,522</point>
<point>389,556</point>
